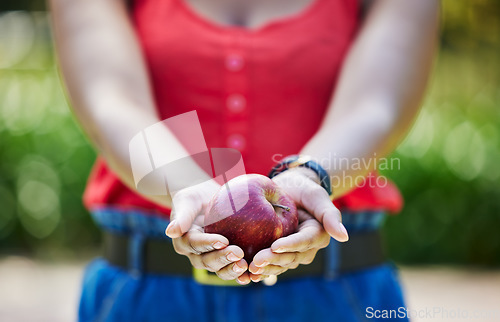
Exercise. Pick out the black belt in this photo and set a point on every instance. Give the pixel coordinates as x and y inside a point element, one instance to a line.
<point>363,250</point>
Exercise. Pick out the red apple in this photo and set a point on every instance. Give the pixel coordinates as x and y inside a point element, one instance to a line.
<point>251,211</point>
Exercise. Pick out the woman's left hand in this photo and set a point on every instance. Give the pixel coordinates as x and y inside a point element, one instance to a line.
<point>318,220</point>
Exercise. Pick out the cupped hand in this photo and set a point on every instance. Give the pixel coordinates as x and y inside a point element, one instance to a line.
<point>205,251</point>
<point>291,251</point>
<point>318,220</point>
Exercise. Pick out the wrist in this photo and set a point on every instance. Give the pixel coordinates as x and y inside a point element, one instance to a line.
<point>306,165</point>
<point>303,171</point>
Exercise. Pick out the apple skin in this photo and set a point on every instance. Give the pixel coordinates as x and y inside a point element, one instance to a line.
<point>258,223</point>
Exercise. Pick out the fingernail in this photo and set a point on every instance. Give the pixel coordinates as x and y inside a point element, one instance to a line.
<point>279,250</point>
<point>264,263</point>
<point>344,231</point>
<point>237,269</point>
<point>257,280</point>
<point>232,257</point>
<point>258,271</point>
<point>219,245</point>
<point>170,226</point>
<point>241,282</point>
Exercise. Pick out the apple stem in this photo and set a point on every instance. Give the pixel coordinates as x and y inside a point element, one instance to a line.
<point>281,206</point>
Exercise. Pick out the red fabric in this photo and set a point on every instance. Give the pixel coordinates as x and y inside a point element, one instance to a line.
<point>264,91</point>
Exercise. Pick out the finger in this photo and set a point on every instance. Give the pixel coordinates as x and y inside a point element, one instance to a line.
<point>270,270</point>
<point>266,257</point>
<point>257,278</point>
<point>216,260</point>
<point>186,206</point>
<point>316,201</point>
<point>244,279</point>
<point>197,242</point>
<point>288,260</point>
<point>310,235</point>
<point>233,271</point>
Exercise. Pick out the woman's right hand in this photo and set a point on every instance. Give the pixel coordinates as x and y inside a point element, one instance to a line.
<point>206,251</point>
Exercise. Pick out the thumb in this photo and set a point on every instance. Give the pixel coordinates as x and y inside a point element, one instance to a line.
<point>317,202</point>
<point>186,206</point>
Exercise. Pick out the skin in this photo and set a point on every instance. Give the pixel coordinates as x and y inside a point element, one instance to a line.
<point>376,99</point>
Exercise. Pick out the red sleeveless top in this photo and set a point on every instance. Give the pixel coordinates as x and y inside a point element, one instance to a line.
<point>263,91</point>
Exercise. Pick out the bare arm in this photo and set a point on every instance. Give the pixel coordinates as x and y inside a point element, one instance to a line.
<point>106,79</point>
<point>108,85</point>
<point>380,88</point>
<point>378,95</point>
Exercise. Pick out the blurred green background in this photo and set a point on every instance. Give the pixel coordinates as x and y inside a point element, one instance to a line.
<point>450,162</point>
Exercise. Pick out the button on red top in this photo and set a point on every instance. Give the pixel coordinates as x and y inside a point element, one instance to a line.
<point>234,62</point>
<point>287,70</point>
<point>236,141</point>
<point>236,103</point>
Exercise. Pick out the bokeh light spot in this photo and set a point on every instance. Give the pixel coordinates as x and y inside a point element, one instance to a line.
<point>420,138</point>
<point>464,151</point>
<point>17,35</point>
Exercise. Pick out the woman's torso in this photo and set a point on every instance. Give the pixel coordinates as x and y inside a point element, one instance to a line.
<point>263,91</point>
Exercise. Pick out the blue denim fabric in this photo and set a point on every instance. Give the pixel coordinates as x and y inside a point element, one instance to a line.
<point>114,294</point>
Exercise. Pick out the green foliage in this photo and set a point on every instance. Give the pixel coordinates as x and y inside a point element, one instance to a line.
<point>450,170</point>
<point>45,158</point>
<point>449,173</point>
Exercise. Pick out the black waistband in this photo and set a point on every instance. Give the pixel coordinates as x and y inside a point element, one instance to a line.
<point>363,250</point>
